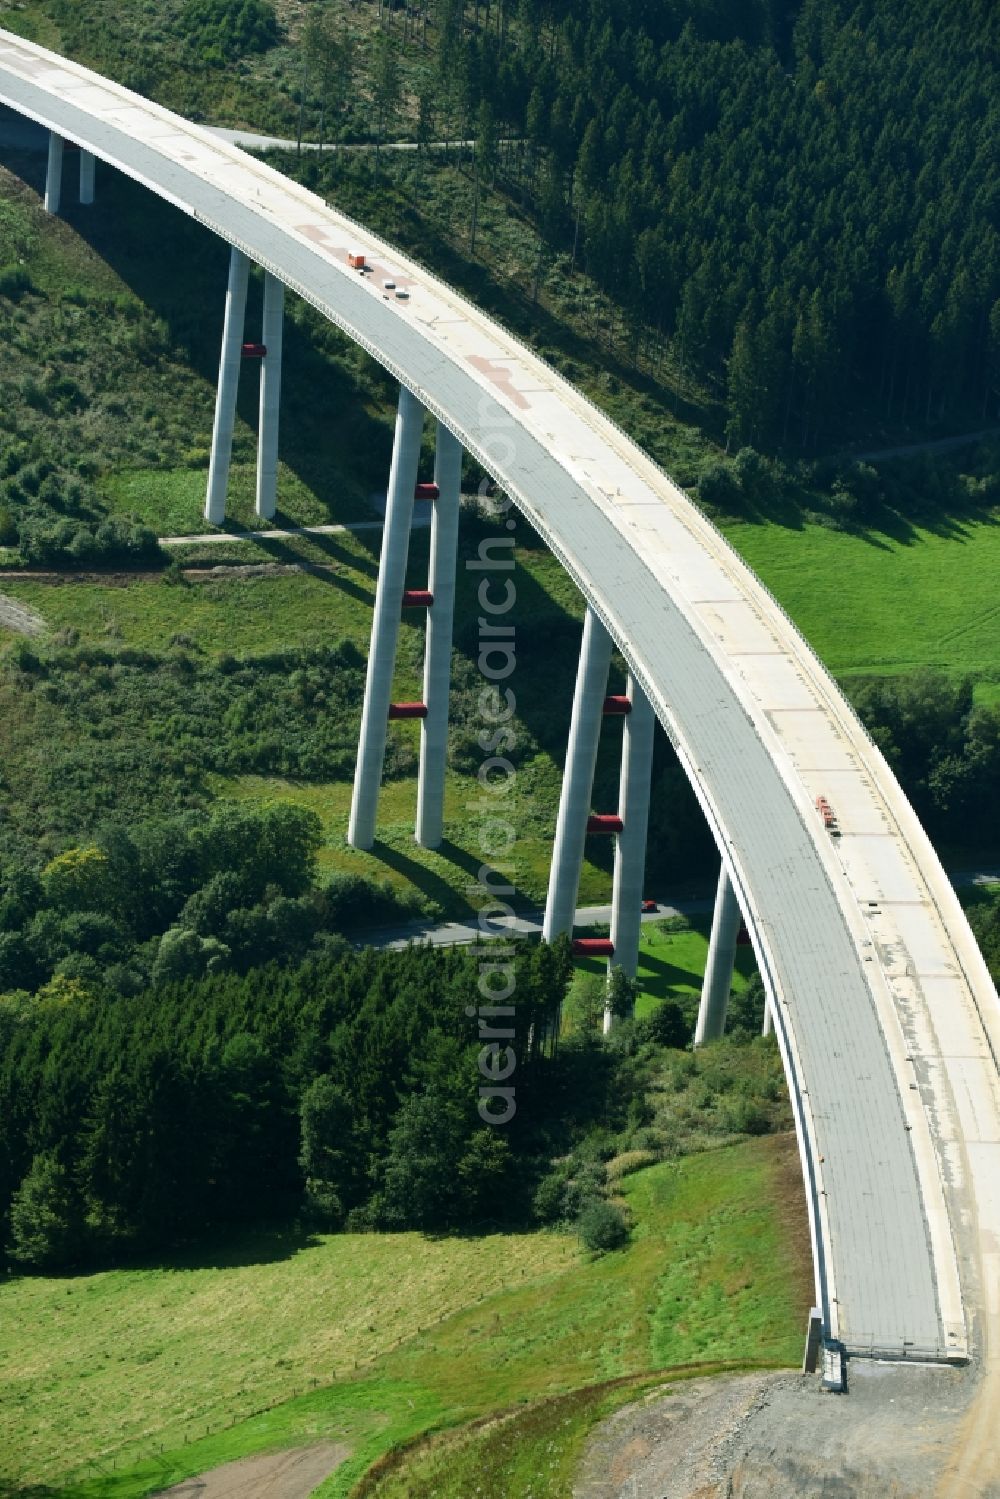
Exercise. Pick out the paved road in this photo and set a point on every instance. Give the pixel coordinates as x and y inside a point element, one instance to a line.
<point>529,923</point>
<point>887,1018</point>
<point>249,141</point>
<point>963,877</point>
<point>421,517</point>
<point>524,924</point>
<point>272,534</point>
<point>25,135</point>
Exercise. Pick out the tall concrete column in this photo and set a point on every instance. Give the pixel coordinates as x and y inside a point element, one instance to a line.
<point>385,623</point>
<point>437,649</point>
<point>53,173</point>
<point>719,968</point>
<point>578,778</point>
<point>630,846</point>
<point>270,397</point>
<point>768,1018</point>
<point>229,379</point>
<point>87,166</point>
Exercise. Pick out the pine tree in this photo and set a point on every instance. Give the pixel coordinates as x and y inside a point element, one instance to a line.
<point>46,1219</point>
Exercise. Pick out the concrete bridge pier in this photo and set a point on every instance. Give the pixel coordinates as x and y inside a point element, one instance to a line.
<point>87,174</point>
<point>721,959</point>
<point>385,623</point>
<point>53,173</point>
<point>270,397</point>
<point>578,778</point>
<point>229,379</point>
<point>630,846</point>
<point>438,639</point>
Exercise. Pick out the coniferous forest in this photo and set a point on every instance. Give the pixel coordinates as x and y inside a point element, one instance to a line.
<point>220,1101</point>
<point>801,198</point>
<point>797,199</point>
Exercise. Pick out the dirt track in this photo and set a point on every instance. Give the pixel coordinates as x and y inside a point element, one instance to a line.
<point>275,1475</point>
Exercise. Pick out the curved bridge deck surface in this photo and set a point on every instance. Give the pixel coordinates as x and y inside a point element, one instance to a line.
<point>887,1018</point>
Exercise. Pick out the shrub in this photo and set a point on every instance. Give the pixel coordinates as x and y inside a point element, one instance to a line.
<point>549,1198</point>
<point>45,1218</point>
<point>14,282</point>
<point>746,1009</point>
<point>602,1227</point>
<point>622,993</point>
<point>667,1026</point>
<point>48,542</point>
<point>323,1207</point>
<point>719,489</point>
<point>564,1192</point>
<point>746,1116</point>
<point>183,954</point>
<point>750,470</point>
<point>629,1161</point>
<point>219,30</point>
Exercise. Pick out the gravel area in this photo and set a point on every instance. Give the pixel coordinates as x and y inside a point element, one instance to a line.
<point>779,1436</point>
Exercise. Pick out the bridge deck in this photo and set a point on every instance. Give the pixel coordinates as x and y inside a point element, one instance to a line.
<point>887,1018</point>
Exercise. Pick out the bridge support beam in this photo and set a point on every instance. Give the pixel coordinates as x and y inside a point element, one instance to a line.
<point>578,778</point>
<point>385,623</point>
<point>53,173</point>
<point>87,173</point>
<point>719,968</point>
<point>630,846</point>
<point>229,379</point>
<point>438,639</point>
<point>270,397</point>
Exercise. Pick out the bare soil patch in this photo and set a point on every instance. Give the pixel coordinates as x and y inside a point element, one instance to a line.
<point>19,618</point>
<point>274,1475</point>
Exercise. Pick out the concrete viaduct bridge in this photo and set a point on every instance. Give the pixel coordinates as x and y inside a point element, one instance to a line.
<point>887,1020</point>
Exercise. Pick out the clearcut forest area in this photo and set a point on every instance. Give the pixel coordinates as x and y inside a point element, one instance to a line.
<point>246,1200</point>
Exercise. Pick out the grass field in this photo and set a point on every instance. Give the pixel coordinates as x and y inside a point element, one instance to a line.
<point>867,605</point>
<point>172,501</point>
<point>239,614</point>
<point>671,965</point>
<point>877,605</point>
<point>443,875</point>
<point>121,1363</point>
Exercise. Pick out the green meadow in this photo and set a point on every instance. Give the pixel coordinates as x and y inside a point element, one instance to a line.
<point>872,604</point>
<point>116,1383</point>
